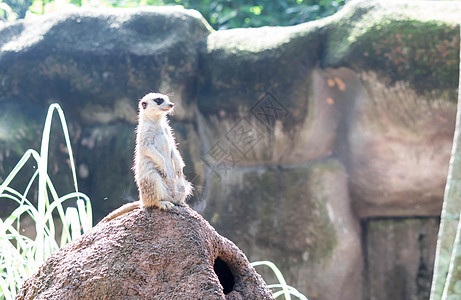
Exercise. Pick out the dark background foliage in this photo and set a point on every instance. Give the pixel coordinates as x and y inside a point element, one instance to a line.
<point>221,14</point>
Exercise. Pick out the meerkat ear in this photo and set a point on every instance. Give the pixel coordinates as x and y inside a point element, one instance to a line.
<point>144,104</point>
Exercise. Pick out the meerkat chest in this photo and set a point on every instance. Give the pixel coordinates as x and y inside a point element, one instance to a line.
<point>162,141</point>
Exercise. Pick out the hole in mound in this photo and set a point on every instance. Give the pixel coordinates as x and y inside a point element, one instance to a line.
<point>225,276</point>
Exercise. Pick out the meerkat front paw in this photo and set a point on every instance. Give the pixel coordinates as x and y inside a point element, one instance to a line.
<point>164,205</point>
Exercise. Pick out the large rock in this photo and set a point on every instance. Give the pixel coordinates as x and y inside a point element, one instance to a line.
<point>148,254</point>
<point>383,99</point>
<point>97,61</point>
<point>414,42</point>
<point>401,121</point>
<point>268,85</point>
<point>348,86</point>
<point>298,217</point>
<point>400,145</point>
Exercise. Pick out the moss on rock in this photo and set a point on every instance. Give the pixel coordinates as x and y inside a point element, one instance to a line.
<point>242,64</point>
<point>290,206</point>
<point>132,52</point>
<point>399,41</point>
<point>425,54</point>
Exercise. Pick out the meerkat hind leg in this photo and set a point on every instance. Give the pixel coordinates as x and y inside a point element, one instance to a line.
<point>155,193</point>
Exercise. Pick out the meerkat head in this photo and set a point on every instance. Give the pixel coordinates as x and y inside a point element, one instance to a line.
<point>155,106</point>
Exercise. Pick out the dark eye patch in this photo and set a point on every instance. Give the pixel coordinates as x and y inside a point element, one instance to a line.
<point>144,105</point>
<point>159,101</point>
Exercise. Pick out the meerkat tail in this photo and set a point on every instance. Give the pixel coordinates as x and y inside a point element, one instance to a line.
<point>122,210</point>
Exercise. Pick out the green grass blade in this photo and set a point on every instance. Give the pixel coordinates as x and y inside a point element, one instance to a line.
<point>46,135</point>
<point>18,167</point>
<point>278,274</point>
<point>68,145</point>
<point>20,255</point>
<point>84,212</point>
<point>291,289</point>
<point>74,221</point>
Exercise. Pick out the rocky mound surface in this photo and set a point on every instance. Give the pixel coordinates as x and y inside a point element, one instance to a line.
<point>148,254</point>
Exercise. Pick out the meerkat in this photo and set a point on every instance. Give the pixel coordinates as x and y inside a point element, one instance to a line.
<point>158,165</point>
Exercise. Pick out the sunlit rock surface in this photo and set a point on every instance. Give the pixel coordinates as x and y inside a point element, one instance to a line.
<point>148,254</point>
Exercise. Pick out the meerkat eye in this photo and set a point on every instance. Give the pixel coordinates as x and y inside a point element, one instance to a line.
<point>144,105</point>
<point>159,101</point>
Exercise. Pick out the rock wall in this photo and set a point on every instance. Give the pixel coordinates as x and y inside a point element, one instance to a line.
<point>399,256</point>
<point>323,147</point>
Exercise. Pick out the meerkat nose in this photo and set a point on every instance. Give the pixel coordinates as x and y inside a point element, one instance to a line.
<point>171,104</point>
